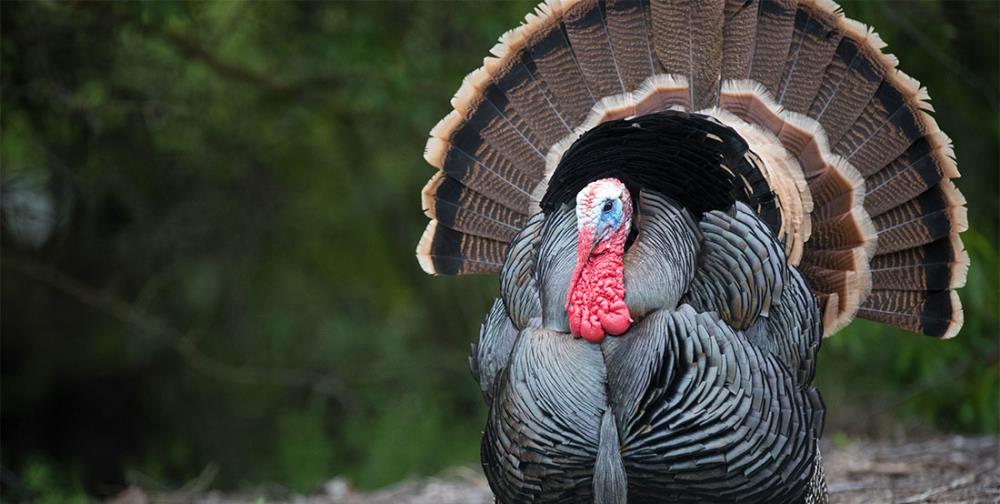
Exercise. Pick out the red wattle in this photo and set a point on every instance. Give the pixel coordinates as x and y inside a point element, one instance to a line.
<point>595,301</point>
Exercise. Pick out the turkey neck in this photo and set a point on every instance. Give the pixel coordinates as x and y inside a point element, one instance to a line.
<point>595,300</point>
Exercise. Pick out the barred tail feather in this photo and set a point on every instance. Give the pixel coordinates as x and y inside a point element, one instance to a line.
<point>861,172</point>
<point>775,25</point>
<point>628,32</point>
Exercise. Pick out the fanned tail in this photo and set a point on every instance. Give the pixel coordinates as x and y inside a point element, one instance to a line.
<point>861,172</point>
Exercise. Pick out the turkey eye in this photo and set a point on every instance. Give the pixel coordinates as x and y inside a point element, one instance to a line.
<point>607,206</point>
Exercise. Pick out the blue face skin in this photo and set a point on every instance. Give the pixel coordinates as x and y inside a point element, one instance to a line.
<point>609,219</point>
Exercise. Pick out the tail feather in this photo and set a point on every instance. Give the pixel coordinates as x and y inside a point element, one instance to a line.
<point>557,65</point>
<point>939,265</point>
<point>497,124</point>
<point>889,124</point>
<point>738,38</point>
<point>934,214</point>
<point>688,41</point>
<point>850,287</point>
<point>852,259</point>
<point>921,277</point>
<point>445,251</point>
<point>775,25</point>
<point>706,52</point>
<point>485,174</point>
<point>926,163</point>
<point>662,92</point>
<point>829,309</point>
<point>851,79</point>
<point>935,313</point>
<point>814,40</point>
<point>859,169</point>
<point>847,230</point>
<point>588,34</point>
<point>462,209</point>
<point>835,192</point>
<point>944,251</point>
<point>529,97</point>
<point>628,31</point>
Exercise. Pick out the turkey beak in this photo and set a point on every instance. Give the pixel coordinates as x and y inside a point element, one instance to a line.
<point>602,234</point>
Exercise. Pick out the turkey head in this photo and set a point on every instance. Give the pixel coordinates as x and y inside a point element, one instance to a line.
<point>595,300</point>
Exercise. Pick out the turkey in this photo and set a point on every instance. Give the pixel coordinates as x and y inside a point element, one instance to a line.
<point>681,200</point>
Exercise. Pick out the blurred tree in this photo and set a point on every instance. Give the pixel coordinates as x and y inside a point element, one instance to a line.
<point>209,216</point>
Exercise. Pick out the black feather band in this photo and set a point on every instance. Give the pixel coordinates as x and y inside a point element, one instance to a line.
<point>692,158</point>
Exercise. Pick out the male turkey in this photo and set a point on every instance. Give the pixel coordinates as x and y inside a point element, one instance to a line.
<point>682,199</point>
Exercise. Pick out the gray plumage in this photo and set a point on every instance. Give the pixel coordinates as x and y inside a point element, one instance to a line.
<point>703,412</point>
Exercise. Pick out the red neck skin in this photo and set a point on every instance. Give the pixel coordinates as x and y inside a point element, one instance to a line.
<point>595,302</point>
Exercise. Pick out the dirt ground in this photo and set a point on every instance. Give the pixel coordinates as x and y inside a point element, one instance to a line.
<point>947,469</point>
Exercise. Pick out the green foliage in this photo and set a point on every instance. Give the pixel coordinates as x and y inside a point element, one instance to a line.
<point>303,447</point>
<point>47,483</point>
<point>230,278</point>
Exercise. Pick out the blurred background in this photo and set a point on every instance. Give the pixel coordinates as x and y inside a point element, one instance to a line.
<point>209,216</point>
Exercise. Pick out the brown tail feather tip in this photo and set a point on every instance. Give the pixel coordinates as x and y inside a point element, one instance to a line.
<point>424,248</point>
<point>910,88</point>
<point>610,108</point>
<point>660,87</point>
<point>837,189</point>
<point>437,145</point>
<point>869,40</point>
<point>957,317</point>
<point>469,93</point>
<point>446,125</point>
<point>828,6</point>
<point>514,40</point>
<point>805,138</point>
<point>545,14</point>
<point>944,152</point>
<point>959,274</point>
<point>952,194</point>
<point>427,194</point>
<point>829,307</point>
<point>960,219</point>
<point>850,287</point>
<point>435,152</point>
<point>867,227</point>
<point>751,101</point>
<point>960,268</point>
<point>958,212</point>
<point>511,42</point>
